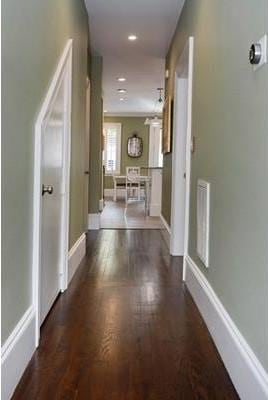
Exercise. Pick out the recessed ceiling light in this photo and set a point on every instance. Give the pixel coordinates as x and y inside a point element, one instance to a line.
<point>105,111</point>
<point>132,37</point>
<point>121,90</point>
<point>121,99</point>
<point>121,79</point>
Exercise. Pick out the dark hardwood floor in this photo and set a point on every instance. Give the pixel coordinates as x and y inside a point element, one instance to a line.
<point>126,329</point>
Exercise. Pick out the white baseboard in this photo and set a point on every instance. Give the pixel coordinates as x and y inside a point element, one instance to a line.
<point>165,232</point>
<point>101,203</point>
<point>17,352</point>
<point>176,245</point>
<point>166,225</point>
<point>155,210</point>
<point>76,255</point>
<point>120,193</point>
<point>94,221</point>
<point>248,376</point>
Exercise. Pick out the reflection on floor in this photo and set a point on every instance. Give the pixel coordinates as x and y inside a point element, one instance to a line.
<point>116,215</point>
<point>126,329</point>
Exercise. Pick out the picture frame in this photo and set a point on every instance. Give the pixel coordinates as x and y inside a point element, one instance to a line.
<point>167,125</point>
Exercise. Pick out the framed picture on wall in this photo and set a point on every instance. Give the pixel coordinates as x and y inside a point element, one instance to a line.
<point>167,125</point>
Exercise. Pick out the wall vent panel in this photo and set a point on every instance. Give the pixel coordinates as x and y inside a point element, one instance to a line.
<point>203,211</point>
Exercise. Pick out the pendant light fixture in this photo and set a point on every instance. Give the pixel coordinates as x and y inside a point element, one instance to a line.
<point>160,100</point>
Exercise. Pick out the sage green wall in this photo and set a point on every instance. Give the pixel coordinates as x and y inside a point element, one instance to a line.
<point>230,123</point>
<point>34,34</point>
<point>129,125</point>
<point>95,147</point>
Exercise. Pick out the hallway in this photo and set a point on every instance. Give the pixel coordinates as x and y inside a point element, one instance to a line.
<point>126,329</point>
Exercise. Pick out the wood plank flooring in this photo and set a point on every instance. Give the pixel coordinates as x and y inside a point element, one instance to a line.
<point>126,329</point>
<point>118,215</point>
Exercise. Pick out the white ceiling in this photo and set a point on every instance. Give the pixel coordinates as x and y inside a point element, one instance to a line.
<point>142,62</point>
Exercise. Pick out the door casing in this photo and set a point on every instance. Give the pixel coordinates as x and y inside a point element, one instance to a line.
<point>63,71</point>
<point>87,152</point>
<point>181,154</point>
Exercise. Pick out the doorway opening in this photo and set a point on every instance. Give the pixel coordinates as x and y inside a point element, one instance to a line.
<point>51,191</point>
<point>133,173</point>
<point>181,155</point>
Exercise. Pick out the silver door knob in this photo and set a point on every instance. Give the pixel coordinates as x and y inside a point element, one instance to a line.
<point>47,189</point>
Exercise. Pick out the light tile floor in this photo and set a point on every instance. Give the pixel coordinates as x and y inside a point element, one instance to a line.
<point>116,215</point>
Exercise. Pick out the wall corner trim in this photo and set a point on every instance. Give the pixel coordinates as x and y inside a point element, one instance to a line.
<point>155,209</point>
<point>248,375</point>
<point>166,225</point>
<point>94,222</point>
<point>101,204</point>
<point>166,232</point>
<point>76,255</point>
<point>16,353</point>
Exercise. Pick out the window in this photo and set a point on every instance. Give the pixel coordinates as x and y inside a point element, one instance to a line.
<point>112,148</point>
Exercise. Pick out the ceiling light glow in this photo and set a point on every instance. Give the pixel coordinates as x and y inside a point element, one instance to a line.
<point>121,90</point>
<point>132,37</point>
<point>155,121</point>
<point>121,79</point>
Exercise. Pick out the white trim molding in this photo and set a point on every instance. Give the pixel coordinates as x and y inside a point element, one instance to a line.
<point>155,209</point>
<point>132,114</point>
<point>120,193</point>
<point>110,193</point>
<point>94,222</point>
<point>63,72</point>
<point>101,204</point>
<point>248,375</point>
<point>17,352</point>
<point>76,255</point>
<point>166,225</point>
<point>181,154</point>
<point>166,231</point>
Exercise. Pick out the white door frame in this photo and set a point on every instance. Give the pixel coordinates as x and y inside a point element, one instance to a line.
<point>63,71</point>
<point>87,150</point>
<point>181,154</point>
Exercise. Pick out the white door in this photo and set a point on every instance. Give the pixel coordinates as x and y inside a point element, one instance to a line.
<point>52,172</point>
<point>52,204</point>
